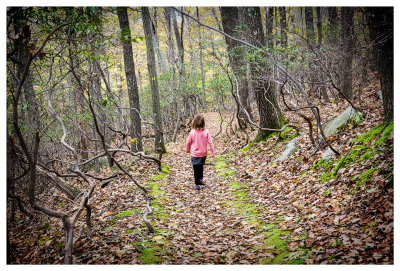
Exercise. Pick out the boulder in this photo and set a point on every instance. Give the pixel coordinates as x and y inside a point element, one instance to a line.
<point>290,149</point>
<point>349,115</point>
<point>328,154</point>
<point>380,94</point>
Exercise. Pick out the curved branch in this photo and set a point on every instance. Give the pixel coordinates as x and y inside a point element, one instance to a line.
<point>149,210</point>
<point>299,86</point>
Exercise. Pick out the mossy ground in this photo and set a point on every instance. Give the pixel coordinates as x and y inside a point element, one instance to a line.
<point>152,247</point>
<point>275,241</point>
<point>363,149</point>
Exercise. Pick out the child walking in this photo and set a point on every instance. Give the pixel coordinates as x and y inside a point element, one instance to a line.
<point>196,145</point>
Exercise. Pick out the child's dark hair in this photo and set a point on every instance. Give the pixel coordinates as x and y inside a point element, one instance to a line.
<point>198,122</point>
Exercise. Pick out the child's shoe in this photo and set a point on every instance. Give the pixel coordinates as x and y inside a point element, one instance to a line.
<point>197,187</point>
<point>201,182</point>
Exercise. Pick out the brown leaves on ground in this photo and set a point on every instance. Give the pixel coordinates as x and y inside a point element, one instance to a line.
<point>201,227</point>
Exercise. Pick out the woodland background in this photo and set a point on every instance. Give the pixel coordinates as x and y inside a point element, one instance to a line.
<point>100,101</point>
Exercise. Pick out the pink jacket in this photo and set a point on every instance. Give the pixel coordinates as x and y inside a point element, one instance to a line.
<point>196,143</point>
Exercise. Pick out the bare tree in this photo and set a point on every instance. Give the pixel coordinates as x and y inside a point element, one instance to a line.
<point>268,109</point>
<point>309,23</point>
<point>133,93</point>
<point>380,22</point>
<point>282,11</point>
<point>347,43</point>
<point>203,83</point>
<point>151,66</point>
<point>231,25</point>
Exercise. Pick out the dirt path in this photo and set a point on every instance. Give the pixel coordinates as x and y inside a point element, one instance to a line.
<point>206,230</point>
<point>219,223</point>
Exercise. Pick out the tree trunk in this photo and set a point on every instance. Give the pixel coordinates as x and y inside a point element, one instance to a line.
<point>269,26</point>
<point>96,96</point>
<point>230,23</point>
<point>309,23</point>
<point>182,72</point>
<point>282,12</point>
<point>79,103</point>
<point>269,111</point>
<point>11,164</point>
<point>151,66</point>
<point>154,36</point>
<point>319,25</point>
<point>170,41</point>
<point>120,79</point>
<point>133,93</point>
<point>23,54</point>
<point>332,28</point>
<point>380,22</point>
<point>216,19</point>
<point>203,83</point>
<point>347,43</point>
<point>332,17</point>
<point>322,88</point>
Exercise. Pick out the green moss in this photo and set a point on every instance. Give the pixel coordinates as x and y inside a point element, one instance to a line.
<point>386,134</point>
<point>326,176</point>
<point>343,161</point>
<point>227,173</point>
<point>148,256</point>
<point>327,192</point>
<point>368,136</point>
<point>286,131</point>
<point>219,162</point>
<point>165,170</point>
<point>322,163</point>
<point>296,261</point>
<point>229,230</point>
<point>364,177</point>
<point>236,185</point>
<point>359,153</point>
<point>273,235</point>
<point>159,176</point>
<point>154,251</point>
<point>197,254</point>
<point>248,147</point>
<point>264,136</point>
<point>368,155</point>
<point>337,243</point>
<point>221,167</point>
<point>124,214</point>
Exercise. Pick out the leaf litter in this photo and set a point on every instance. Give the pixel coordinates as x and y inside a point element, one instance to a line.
<point>251,211</point>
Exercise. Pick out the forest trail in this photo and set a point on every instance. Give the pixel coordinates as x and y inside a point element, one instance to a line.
<point>251,211</point>
<point>219,223</point>
<point>205,229</point>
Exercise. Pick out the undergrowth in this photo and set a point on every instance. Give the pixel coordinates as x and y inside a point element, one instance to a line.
<point>363,148</point>
<point>275,241</point>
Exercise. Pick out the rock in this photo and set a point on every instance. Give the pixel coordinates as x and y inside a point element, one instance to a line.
<point>349,115</point>
<point>290,149</point>
<point>327,155</point>
<point>380,94</point>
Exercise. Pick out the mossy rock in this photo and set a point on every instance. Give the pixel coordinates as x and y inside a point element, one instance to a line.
<point>290,149</point>
<point>350,115</point>
<point>364,149</point>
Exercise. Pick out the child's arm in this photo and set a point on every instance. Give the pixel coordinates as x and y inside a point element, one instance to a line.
<point>188,143</point>
<point>210,142</point>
